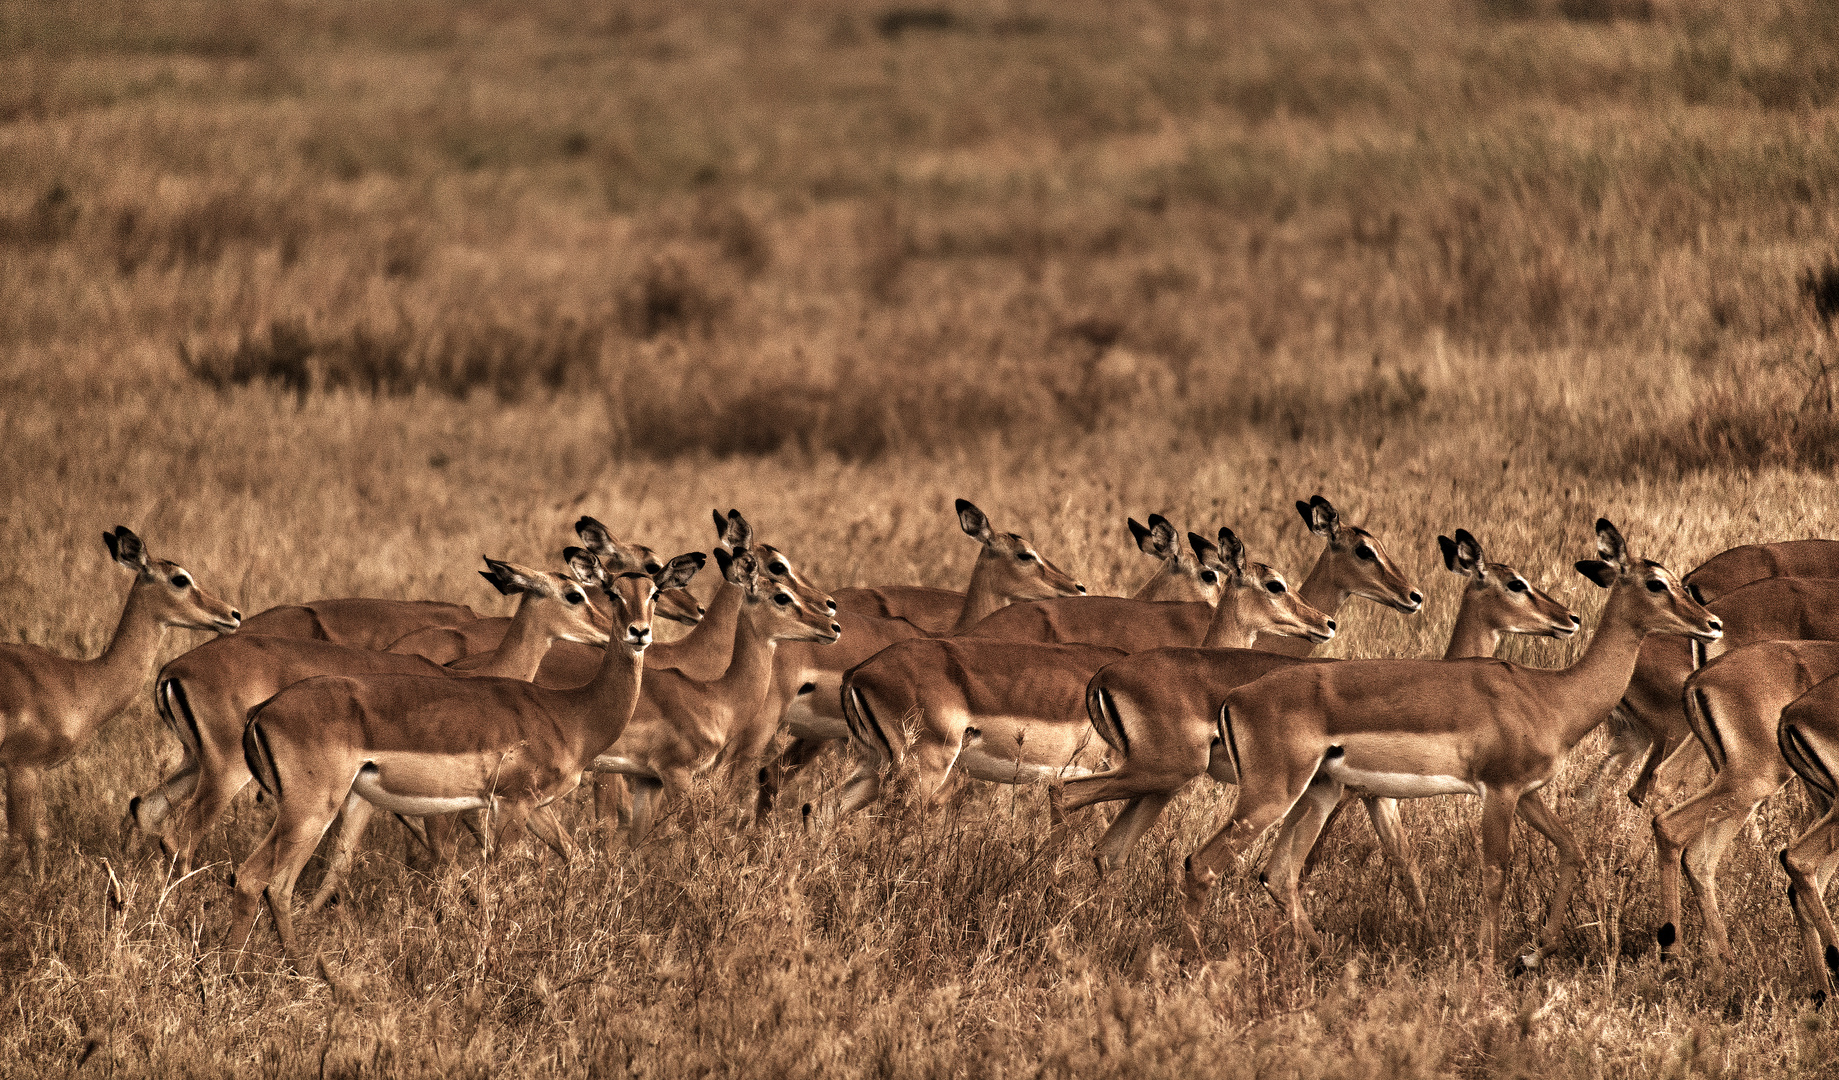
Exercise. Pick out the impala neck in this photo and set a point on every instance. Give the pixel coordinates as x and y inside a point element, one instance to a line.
<point>1320,590</point>
<point>1592,686</point>
<point>1471,636</point>
<point>716,628</point>
<point>982,597</point>
<point>1229,628</point>
<point>118,674</point>
<point>522,650</point>
<point>750,667</point>
<point>605,704</point>
<point>1165,584</point>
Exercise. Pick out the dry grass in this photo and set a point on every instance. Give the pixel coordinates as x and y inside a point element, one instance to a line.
<point>333,301</point>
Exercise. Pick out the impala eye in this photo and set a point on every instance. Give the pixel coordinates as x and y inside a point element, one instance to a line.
<point>1275,586</point>
<point>180,581</point>
<point>1024,556</point>
<point>1517,585</point>
<point>782,599</point>
<point>652,567</point>
<point>1364,552</point>
<point>573,597</point>
<point>777,569</point>
<point>1209,577</point>
<point>1656,585</point>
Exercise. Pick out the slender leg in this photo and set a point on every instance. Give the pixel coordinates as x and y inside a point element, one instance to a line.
<point>1128,828</point>
<point>147,812</point>
<point>214,793</point>
<point>1570,859</point>
<point>612,803</point>
<point>354,817</point>
<point>1497,812</point>
<point>1315,852</point>
<point>1397,846</point>
<point>1283,870</point>
<point>645,790</point>
<point>25,826</point>
<point>543,822</point>
<point>774,776</point>
<point>271,870</point>
<point>1694,836</point>
<point>1265,798</point>
<point>1810,863</point>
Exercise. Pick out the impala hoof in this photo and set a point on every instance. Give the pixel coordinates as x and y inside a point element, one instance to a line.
<point>1523,964</point>
<point>1666,936</point>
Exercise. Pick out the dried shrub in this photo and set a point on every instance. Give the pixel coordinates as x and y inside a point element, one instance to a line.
<point>49,221</point>
<point>672,295</point>
<point>201,233</point>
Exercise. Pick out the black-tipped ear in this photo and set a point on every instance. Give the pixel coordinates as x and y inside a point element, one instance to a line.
<point>1232,551</point>
<point>722,561</point>
<point>126,548</point>
<point>502,577</point>
<point>1603,574</point>
<point>1469,555</point>
<point>742,569</point>
<point>739,534</point>
<point>1448,547</point>
<point>585,565</point>
<point>1610,546</point>
<point>974,523</point>
<point>678,573</point>
<point>1138,532</point>
<point>1320,515</point>
<point>721,526</point>
<point>596,536</point>
<point>1157,538</point>
<point>1206,551</point>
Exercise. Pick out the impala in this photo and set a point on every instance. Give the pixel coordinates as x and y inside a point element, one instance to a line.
<point>50,705</point>
<point>683,726</point>
<point>1730,570</point>
<point>1159,710</point>
<point>1418,728</point>
<point>1809,740</point>
<point>206,695</point>
<point>419,745</point>
<point>1352,564</point>
<point>808,678</point>
<point>445,644</point>
<point>1012,712</point>
<point>1734,705</point>
<point>935,611</point>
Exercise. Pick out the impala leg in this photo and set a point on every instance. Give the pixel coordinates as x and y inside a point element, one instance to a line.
<point>548,828</point>
<point>1394,841</point>
<point>509,818</point>
<point>1657,751</point>
<point>1496,855</point>
<point>775,775</point>
<point>1295,839</point>
<point>354,818</point>
<point>1314,854</point>
<point>1262,802</point>
<point>1570,859</point>
<point>25,827</point>
<point>442,834</point>
<point>1810,863</point>
<point>270,872</point>
<point>1127,829</point>
<point>1629,742</point>
<point>645,791</point>
<point>613,803</point>
<point>1694,836</point>
<point>149,811</point>
<point>214,793</point>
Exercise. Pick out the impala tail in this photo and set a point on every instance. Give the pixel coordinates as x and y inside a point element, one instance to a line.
<point>1103,713</point>
<point>1805,760</point>
<point>260,759</point>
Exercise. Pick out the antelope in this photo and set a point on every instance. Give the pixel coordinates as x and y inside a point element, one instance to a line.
<point>356,622</point>
<point>1773,609</point>
<point>808,678</point>
<point>445,644</point>
<point>51,705</point>
<point>206,695</point>
<point>420,745</point>
<point>1353,563</point>
<point>935,611</point>
<point>1734,705</point>
<point>1709,582</point>
<point>683,726</point>
<point>1159,710</point>
<point>1419,728</point>
<point>1011,712</point>
<point>1809,741</point>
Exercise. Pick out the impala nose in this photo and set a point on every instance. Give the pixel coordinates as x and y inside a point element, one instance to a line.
<point>1575,621</point>
<point>831,604</point>
<point>236,616</point>
<point>1416,598</point>
<point>1081,588</point>
<point>1717,627</point>
<point>836,628</point>
<point>638,634</point>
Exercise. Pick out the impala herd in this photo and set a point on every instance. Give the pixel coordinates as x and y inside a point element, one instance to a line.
<point>339,708</point>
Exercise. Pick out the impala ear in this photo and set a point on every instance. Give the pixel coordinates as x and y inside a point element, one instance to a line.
<point>1157,538</point>
<point>974,523</point>
<point>584,565</point>
<point>1207,552</point>
<point>736,533</point>
<point>741,569</point>
<point>1469,557</point>
<point>1598,571</point>
<point>1448,547</point>
<point>677,573</point>
<point>1232,552</point>
<point>502,577</point>
<point>126,548</point>
<point>1610,546</point>
<point>1319,514</point>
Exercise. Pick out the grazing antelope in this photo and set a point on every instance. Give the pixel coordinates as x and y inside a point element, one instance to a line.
<point>1013,712</point>
<point>446,644</point>
<point>1353,563</point>
<point>1809,741</point>
<point>420,745</point>
<point>1159,710</point>
<point>683,726</point>
<point>206,695</point>
<point>1734,705</point>
<point>1418,728</point>
<point>808,678</point>
<point>50,705</point>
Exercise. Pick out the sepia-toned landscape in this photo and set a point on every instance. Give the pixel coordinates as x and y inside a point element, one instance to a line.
<point>332,299</point>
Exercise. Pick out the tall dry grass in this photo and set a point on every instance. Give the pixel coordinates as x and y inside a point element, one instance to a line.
<point>333,299</point>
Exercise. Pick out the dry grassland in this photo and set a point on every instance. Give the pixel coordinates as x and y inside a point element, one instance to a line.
<point>332,299</point>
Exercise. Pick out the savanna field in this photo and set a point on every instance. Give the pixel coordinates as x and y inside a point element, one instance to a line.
<point>333,299</point>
